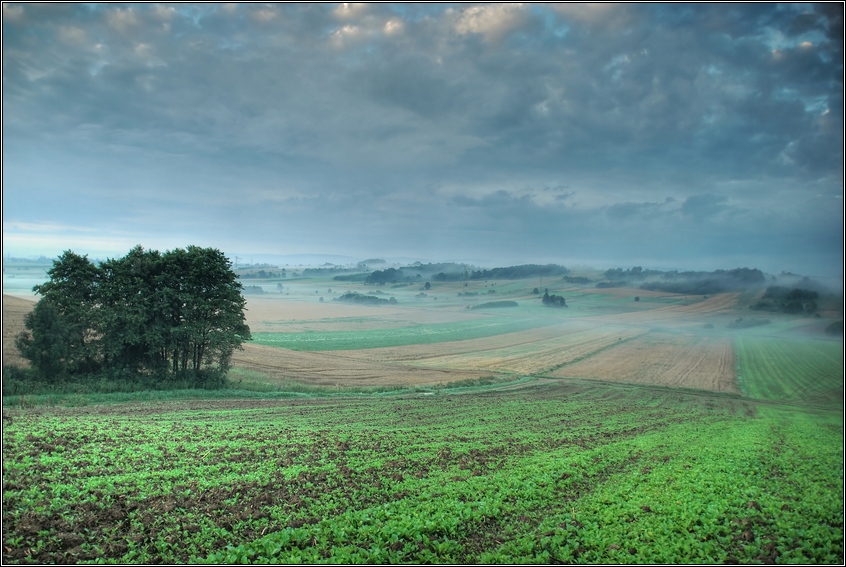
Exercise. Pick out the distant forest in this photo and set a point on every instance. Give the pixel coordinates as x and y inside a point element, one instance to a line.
<point>446,272</point>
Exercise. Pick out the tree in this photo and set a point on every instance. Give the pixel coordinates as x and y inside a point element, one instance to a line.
<point>213,317</point>
<point>171,314</point>
<point>133,324</point>
<point>45,341</point>
<point>73,290</point>
<point>553,300</point>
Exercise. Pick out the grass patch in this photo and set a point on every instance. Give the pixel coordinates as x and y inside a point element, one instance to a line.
<point>376,338</point>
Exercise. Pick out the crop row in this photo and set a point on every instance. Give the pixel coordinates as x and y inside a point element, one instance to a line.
<point>392,337</point>
<point>556,473</point>
<point>791,370</point>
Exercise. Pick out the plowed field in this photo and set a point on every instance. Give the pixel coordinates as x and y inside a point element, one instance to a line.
<point>684,361</point>
<point>340,368</point>
<point>14,311</point>
<point>529,352</point>
<point>604,347</point>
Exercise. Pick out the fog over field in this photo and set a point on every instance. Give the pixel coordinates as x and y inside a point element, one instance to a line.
<point>668,136</point>
<point>422,283</point>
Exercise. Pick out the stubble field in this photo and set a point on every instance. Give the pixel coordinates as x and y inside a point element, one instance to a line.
<point>613,430</point>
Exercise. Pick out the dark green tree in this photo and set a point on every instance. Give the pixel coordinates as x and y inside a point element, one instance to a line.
<point>132,322</point>
<point>180,313</point>
<point>73,289</point>
<point>45,341</point>
<point>213,323</point>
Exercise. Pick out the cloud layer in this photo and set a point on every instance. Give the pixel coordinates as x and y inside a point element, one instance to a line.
<point>600,133</point>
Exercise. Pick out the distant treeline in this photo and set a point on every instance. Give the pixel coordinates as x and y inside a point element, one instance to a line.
<point>507,273</point>
<point>704,283</point>
<point>355,297</point>
<point>577,279</point>
<point>262,275</point>
<point>451,272</point>
<point>356,277</point>
<point>687,283</point>
<point>782,299</point>
<point>553,300</point>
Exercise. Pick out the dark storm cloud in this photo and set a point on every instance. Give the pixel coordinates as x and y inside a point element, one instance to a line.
<point>429,128</point>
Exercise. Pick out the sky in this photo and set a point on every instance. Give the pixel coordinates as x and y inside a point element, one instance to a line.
<point>675,136</point>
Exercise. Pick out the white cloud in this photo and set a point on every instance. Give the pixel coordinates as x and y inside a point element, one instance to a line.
<point>121,19</point>
<point>394,26</point>
<point>493,21</point>
<point>349,10</point>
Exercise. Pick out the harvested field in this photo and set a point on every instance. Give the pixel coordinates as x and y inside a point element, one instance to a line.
<point>661,359</point>
<point>527,353</point>
<point>680,314</point>
<point>337,368</point>
<point>269,314</point>
<point>14,311</point>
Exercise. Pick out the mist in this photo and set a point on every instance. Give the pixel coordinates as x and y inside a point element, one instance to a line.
<point>673,137</point>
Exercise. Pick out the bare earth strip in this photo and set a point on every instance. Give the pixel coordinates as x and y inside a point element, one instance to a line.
<point>336,368</point>
<point>269,313</point>
<point>14,311</point>
<point>681,361</point>
<point>682,314</point>
<point>526,353</point>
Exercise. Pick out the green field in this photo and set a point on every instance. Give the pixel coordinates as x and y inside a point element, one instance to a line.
<point>809,371</point>
<point>391,337</point>
<point>559,472</point>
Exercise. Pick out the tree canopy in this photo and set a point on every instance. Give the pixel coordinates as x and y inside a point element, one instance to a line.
<point>176,314</point>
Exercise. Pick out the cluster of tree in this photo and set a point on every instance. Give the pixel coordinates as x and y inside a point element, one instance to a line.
<point>253,290</point>
<point>577,280</point>
<point>449,270</point>
<point>635,273</point>
<point>493,305</point>
<point>387,276</point>
<point>355,297</point>
<point>506,273</point>
<point>357,277</point>
<point>553,300</point>
<point>785,300</point>
<point>705,283</point>
<point>177,314</point>
<point>262,275</point>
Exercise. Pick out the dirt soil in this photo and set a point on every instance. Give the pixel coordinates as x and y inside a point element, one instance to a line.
<point>341,368</point>
<point>681,361</point>
<point>14,311</point>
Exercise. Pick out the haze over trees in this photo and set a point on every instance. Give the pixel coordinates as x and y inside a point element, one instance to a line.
<point>553,300</point>
<point>149,315</point>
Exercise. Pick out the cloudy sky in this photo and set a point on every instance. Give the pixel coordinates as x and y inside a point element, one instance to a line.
<point>686,136</point>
